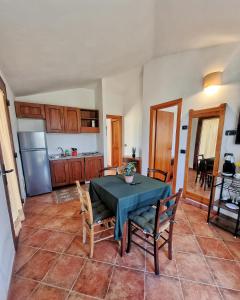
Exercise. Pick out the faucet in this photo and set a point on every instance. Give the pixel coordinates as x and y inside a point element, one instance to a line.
<point>61,149</point>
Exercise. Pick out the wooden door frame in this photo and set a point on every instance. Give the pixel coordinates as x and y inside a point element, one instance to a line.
<point>120,119</point>
<point>5,183</point>
<point>218,111</point>
<point>152,135</point>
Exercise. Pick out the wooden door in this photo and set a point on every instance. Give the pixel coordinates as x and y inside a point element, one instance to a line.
<point>76,170</point>
<point>72,119</point>
<point>29,110</point>
<point>116,142</point>
<point>59,172</point>
<point>92,167</point>
<point>54,118</point>
<point>164,137</point>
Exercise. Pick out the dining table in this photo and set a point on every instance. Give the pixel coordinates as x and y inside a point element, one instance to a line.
<point>122,198</point>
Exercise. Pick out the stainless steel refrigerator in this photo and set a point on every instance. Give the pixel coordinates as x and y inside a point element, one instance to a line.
<point>34,155</point>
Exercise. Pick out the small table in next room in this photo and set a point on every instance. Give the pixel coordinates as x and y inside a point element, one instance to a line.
<point>123,198</point>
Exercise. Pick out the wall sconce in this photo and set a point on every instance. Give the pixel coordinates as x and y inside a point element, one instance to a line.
<point>211,82</point>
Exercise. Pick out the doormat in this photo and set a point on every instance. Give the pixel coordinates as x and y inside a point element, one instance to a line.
<point>67,194</point>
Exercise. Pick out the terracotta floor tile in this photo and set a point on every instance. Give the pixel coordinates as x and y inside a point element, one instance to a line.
<point>134,259</point>
<point>94,279</point>
<point>65,271</point>
<point>234,248</point>
<point>126,284</point>
<point>230,294</point>
<point>182,228</point>
<point>38,265</point>
<point>225,235</point>
<point>166,266</point>
<point>21,288</point>
<point>52,210</point>
<point>25,233</point>
<point>35,220</point>
<point>186,243</point>
<point>23,254</point>
<point>197,217</point>
<point>71,225</point>
<point>202,229</point>
<point>161,287</point>
<point>45,292</point>
<point>226,272</point>
<point>214,247</point>
<point>37,208</point>
<point>58,241</point>
<point>39,238</point>
<point>106,251</point>
<point>55,223</point>
<point>192,266</point>
<point>69,211</point>
<point>77,296</point>
<point>77,247</point>
<point>193,290</point>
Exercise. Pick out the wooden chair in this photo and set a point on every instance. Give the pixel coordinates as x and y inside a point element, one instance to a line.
<point>94,213</point>
<point>153,222</point>
<point>113,169</point>
<point>154,171</point>
<point>199,158</point>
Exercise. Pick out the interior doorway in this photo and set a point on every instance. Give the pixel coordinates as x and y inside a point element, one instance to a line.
<point>165,119</point>
<point>114,140</point>
<point>8,165</point>
<point>205,129</point>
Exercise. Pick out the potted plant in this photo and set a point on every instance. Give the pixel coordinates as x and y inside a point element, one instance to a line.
<point>129,172</point>
<point>133,152</point>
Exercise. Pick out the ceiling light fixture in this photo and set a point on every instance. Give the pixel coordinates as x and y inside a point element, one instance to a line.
<point>211,82</point>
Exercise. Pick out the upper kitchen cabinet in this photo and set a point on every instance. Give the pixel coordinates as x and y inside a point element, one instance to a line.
<point>29,110</point>
<point>72,119</point>
<point>54,118</point>
<point>89,121</point>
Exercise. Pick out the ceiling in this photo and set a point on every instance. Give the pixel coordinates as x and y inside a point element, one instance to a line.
<point>57,44</point>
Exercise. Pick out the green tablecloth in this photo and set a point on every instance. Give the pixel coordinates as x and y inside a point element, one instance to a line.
<point>123,198</point>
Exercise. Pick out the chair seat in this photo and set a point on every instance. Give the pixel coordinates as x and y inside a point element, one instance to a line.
<point>145,218</point>
<point>100,212</point>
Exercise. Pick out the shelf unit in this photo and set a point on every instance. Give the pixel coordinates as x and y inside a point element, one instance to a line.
<point>88,116</point>
<point>217,209</point>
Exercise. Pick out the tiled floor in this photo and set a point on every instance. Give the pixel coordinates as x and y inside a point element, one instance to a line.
<point>52,263</point>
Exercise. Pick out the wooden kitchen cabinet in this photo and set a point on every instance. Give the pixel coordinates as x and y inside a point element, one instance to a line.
<point>92,167</point>
<point>54,118</point>
<point>29,110</point>
<point>72,120</point>
<point>76,170</point>
<point>59,172</point>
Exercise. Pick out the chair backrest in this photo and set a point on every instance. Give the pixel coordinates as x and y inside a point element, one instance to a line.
<point>154,171</point>
<point>85,204</point>
<point>166,210</point>
<point>114,171</point>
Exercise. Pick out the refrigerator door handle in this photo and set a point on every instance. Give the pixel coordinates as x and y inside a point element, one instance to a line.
<point>5,172</point>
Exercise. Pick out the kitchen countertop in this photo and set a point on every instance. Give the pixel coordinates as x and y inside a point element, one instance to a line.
<point>80,155</point>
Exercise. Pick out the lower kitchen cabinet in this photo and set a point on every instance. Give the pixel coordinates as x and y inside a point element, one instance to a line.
<point>76,170</point>
<point>92,167</point>
<point>67,171</point>
<point>59,172</point>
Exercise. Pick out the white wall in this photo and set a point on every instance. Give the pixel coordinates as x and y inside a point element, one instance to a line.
<point>122,95</point>
<point>180,76</point>
<point>80,97</point>
<point>7,250</point>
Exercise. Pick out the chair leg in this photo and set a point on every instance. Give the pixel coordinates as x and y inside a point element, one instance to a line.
<point>156,258</point>
<point>91,243</point>
<point>170,243</point>
<point>129,236</point>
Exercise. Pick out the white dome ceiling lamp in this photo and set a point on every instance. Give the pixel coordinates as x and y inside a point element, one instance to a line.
<point>212,82</point>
